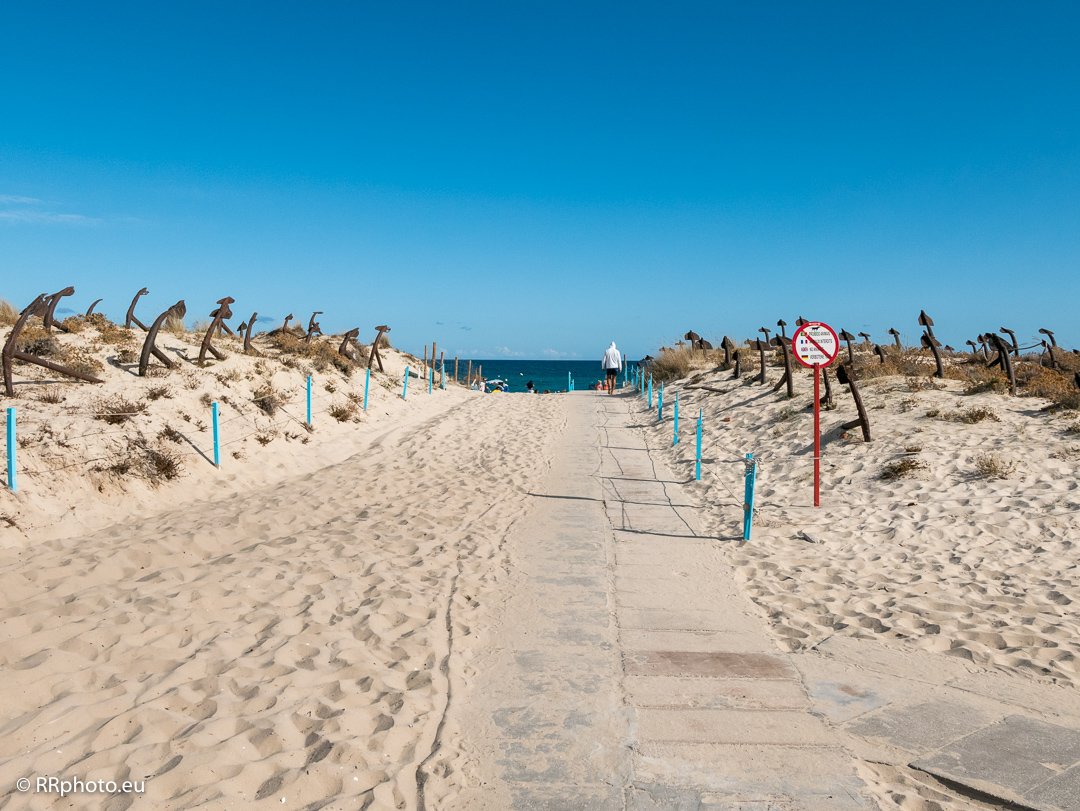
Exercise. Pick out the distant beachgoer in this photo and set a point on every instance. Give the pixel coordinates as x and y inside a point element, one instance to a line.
<point>612,364</point>
<point>530,388</point>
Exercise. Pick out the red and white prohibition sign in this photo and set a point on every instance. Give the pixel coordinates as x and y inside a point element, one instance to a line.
<point>816,346</point>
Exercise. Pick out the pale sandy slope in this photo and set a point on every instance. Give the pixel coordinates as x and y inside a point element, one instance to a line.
<point>280,647</point>
<point>947,559</point>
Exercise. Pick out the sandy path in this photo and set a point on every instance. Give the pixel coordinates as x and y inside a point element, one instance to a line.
<point>285,648</point>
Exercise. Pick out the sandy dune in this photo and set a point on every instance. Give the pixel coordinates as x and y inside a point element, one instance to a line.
<point>947,558</point>
<point>279,648</point>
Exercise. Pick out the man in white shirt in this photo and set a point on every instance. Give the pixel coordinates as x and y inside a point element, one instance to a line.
<point>612,364</point>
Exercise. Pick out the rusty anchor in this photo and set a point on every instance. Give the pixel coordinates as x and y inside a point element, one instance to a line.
<point>761,346</point>
<point>1050,350</point>
<point>927,322</point>
<point>928,342</point>
<point>782,323</point>
<point>895,333</point>
<point>178,310</point>
<point>10,354</point>
<point>90,309</point>
<point>846,376</point>
<point>50,309</point>
<point>222,326</point>
<point>1012,339</point>
<point>347,343</point>
<point>131,318</point>
<point>847,338</point>
<point>247,329</point>
<point>375,346</point>
<point>1002,359</point>
<point>728,346</point>
<point>220,314</point>
<point>782,342</point>
<point>313,328</point>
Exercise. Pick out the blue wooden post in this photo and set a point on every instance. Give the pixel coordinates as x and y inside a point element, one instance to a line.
<point>405,386</point>
<point>675,441</point>
<point>12,482</point>
<point>697,453</point>
<point>430,378</point>
<point>442,373</point>
<point>650,389</point>
<point>309,401</point>
<point>748,507</point>
<point>217,443</point>
<point>569,387</point>
<point>367,385</point>
<point>660,405</point>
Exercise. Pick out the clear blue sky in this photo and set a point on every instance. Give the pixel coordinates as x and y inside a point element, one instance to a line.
<point>542,177</point>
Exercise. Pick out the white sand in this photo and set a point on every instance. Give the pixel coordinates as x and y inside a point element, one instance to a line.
<point>947,560</point>
<point>270,635</point>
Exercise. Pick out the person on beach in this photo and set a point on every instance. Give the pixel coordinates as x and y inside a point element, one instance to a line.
<point>612,364</point>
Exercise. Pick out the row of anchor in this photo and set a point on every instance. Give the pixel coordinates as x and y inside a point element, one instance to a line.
<point>45,305</point>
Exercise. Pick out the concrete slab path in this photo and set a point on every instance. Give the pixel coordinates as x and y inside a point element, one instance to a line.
<point>627,671</point>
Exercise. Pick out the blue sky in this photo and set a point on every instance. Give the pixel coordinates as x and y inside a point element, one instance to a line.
<point>539,178</point>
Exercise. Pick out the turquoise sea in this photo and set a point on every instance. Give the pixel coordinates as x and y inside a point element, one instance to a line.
<point>546,375</point>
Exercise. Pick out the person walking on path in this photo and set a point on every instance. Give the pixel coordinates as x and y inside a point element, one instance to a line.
<point>612,364</point>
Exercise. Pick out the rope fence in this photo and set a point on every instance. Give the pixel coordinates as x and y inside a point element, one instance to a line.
<point>752,464</point>
<point>286,402</point>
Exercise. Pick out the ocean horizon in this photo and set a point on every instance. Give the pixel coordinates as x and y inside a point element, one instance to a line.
<point>546,375</point>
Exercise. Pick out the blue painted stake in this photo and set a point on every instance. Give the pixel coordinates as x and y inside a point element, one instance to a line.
<point>405,387</point>
<point>650,389</point>
<point>430,378</point>
<point>569,385</point>
<point>442,374</point>
<point>675,441</point>
<point>697,453</point>
<point>367,385</point>
<point>217,443</point>
<point>309,401</point>
<point>12,483</point>
<point>748,507</point>
<point>660,405</point>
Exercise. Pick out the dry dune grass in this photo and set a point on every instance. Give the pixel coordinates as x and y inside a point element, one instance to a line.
<point>8,313</point>
<point>672,364</point>
<point>320,352</point>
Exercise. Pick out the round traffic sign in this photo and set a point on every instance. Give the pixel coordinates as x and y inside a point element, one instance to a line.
<point>815,344</point>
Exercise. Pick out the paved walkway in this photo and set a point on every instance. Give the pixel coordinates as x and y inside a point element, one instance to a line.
<point>628,672</point>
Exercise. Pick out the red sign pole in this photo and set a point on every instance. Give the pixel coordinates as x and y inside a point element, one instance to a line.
<point>817,434</point>
<point>815,346</point>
